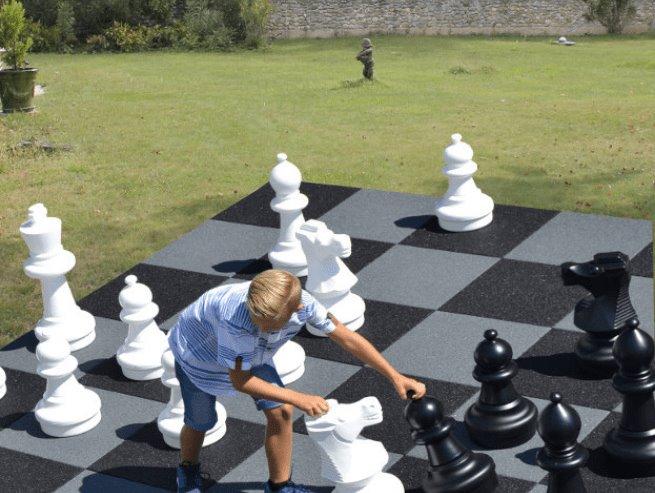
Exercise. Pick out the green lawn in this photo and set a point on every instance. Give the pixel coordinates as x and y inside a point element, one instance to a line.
<point>163,141</point>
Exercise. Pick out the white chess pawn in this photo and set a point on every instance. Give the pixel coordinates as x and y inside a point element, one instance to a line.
<point>3,383</point>
<point>140,355</point>
<point>350,461</point>
<point>171,419</point>
<point>289,361</point>
<point>67,407</point>
<point>463,207</point>
<point>328,279</point>
<point>49,262</point>
<point>287,253</point>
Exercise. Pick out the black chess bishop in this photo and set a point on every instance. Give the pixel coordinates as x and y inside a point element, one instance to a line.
<point>601,314</point>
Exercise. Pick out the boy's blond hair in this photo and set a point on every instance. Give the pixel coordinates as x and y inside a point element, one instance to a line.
<point>273,296</point>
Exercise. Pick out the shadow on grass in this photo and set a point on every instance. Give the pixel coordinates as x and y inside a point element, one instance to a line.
<point>354,84</point>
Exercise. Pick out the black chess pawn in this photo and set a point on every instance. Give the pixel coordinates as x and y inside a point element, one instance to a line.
<point>633,442</point>
<point>562,456</point>
<point>602,314</point>
<point>453,468</point>
<point>501,417</point>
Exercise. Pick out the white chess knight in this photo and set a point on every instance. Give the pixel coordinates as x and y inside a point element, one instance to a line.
<point>350,461</point>
<point>171,419</point>
<point>287,253</point>
<point>3,383</point>
<point>328,279</point>
<point>463,207</point>
<point>67,407</point>
<point>289,361</point>
<point>140,355</point>
<point>49,263</point>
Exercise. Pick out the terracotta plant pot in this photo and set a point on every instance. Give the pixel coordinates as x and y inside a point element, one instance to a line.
<point>17,89</point>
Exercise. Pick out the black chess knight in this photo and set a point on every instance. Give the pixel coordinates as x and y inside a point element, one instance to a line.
<point>602,314</point>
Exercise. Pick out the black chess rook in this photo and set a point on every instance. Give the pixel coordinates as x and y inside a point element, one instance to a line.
<point>562,456</point>
<point>632,443</point>
<point>603,313</point>
<point>453,468</point>
<point>501,417</point>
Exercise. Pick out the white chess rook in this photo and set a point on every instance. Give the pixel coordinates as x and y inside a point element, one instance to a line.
<point>350,461</point>
<point>287,253</point>
<point>328,279</point>
<point>171,419</point>
<point>140,355</point>
<point>289,361</point>
<point>49,262</point>
<point>463,207</point>
<point>3,383</point>
<point>67,407</point>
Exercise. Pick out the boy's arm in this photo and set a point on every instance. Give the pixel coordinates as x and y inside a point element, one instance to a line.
<point>362,349</point>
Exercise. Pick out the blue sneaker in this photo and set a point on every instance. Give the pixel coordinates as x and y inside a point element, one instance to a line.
<point>190,479</point>
<point>291,487</point>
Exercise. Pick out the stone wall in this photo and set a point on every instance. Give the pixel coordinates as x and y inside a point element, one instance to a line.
<point>328,18</point>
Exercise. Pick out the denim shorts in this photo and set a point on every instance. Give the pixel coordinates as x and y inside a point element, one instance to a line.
<point>199,406</point>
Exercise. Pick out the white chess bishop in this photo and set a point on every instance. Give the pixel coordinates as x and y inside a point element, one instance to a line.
<point>140,355</point>
<point>287,253</point>
<point>67,407</point>
<point>49,262</point>
<point>328,279</point>
<point>463,207</point>
<point>352,462</point>
<point>171,419</point>
<point>3,383</point>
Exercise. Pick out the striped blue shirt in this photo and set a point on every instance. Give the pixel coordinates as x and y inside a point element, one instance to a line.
<point>216,329</point>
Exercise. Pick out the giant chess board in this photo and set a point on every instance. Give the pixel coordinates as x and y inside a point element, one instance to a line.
<point>429,295</point>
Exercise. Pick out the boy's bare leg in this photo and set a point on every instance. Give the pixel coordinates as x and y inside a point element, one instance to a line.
<point>190,444</point>
<point>278,442</point>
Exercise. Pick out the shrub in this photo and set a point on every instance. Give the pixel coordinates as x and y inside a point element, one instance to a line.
<point>612,14</point>
<point>41,11</point>
<point>206,28</point>
<point>255,15</point>
<point>96,43</point>
<point>94,16</point>
<point>126,38</point>
<point>14,35</point>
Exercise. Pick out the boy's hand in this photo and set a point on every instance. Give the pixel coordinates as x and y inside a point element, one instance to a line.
<point>313,405</point>
<point>404,384</point>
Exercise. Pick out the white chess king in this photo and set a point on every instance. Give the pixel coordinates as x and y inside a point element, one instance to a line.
<point>328,279</point>
<point>171,419</point>
<point>140,355</point>
<point>350,461</point>
<point>287,253</point>
<point>463,207</point>
<point>67,407</point>
<point>49,263</point>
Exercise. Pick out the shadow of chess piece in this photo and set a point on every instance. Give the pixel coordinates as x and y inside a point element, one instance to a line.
<point>562,456</point>
<point>602,314</point>
<point>632,443</point>
<point>453,468</point>
<point>501,417</point>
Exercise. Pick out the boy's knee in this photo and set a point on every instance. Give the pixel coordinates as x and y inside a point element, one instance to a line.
<point>281,414</point>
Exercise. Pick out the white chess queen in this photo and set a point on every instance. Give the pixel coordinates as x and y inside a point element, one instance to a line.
<point>350,461</point>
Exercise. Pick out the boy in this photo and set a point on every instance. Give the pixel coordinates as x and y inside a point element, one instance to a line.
<point>226,340</point>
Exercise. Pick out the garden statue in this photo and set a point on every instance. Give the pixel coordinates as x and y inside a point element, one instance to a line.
<point>366,57</point>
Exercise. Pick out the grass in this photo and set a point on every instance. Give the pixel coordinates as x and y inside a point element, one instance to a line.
<point>162,141</point>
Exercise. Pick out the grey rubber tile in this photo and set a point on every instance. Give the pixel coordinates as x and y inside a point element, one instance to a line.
<point>435,347</point>
<point>378,215</point>
<point>93,482</point>
<point>217,247</point>
<point>576,237</point>
<point>418,276</point>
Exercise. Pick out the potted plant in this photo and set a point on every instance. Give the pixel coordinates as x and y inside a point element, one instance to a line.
<point>17,81</point>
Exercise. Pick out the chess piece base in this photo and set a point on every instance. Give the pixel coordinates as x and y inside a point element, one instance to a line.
<point>170,425</point>
<point>635,449</point>
<point>470,473</point>
<point>289,361</point>
<point>140,375</point>
<point>506,427</point>
<point>3,391</point>
<point>78,418</point>
<point>348,310</point>
<point>457,226</point>
<point>381,482</point>
<point>594,354</point>
<point>78,331</point>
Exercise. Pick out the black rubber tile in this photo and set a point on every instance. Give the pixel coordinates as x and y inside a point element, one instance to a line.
<point>384,324</point>
<point>20,472</point>
<point>603,474</point>
<point>144,456</point>
<point>363,253</point>
<point>24,390</point>
<point>393,432</point>
<point>510,226</point>
<point>255,209</point>
<point>107,375</point>
<point>518,291</point>
<point>642,263</point>
<point>254,268</point>
<point>172,290</point>
<point>551,365</point>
